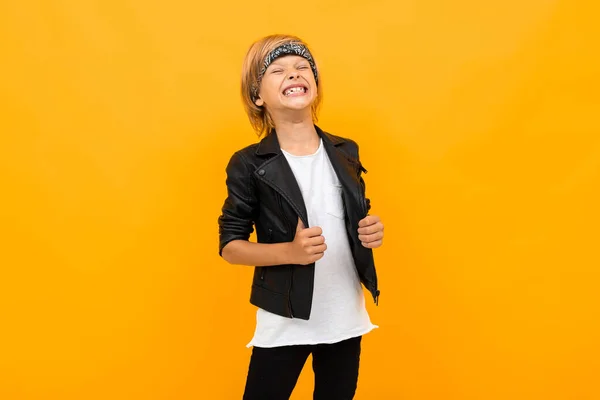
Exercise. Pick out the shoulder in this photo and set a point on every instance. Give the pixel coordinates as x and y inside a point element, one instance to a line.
<point>245,154</point>
<point>241,159</point>
<point>344,143</point>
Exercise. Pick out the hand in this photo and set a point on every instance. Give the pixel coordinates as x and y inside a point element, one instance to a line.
<point>308,245</point>
<point>370,231</point>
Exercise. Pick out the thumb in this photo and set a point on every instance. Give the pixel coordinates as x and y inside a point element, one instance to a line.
<point>300,225</point>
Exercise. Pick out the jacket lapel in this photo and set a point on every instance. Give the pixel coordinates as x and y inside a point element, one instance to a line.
<point>346,169</point>
<point>277,173</point>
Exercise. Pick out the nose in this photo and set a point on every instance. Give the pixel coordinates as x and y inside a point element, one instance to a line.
<point>294,75</point>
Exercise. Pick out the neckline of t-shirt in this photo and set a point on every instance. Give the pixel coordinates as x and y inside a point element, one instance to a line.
<point>307,155</point>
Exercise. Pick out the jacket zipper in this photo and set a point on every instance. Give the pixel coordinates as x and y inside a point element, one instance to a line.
<point>290,291</point>
<point>284,219</point>
<point>292,233</point>
<point>376,292</point>
<point>263,269</point>
<point>362,196</point>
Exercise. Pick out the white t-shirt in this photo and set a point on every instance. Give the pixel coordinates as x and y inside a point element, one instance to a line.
<point>338,308</point>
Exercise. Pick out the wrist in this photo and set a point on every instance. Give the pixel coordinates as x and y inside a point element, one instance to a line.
<point>283,253</point>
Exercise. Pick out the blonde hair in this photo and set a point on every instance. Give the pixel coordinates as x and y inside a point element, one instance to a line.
<point>259,118</point>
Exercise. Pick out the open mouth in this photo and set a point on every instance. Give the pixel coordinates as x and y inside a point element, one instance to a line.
<point>295,90</point>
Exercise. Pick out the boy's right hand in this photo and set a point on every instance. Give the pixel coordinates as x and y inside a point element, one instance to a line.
<point>308,245</point>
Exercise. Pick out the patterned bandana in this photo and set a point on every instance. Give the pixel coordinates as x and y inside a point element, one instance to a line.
<point>292,48</point>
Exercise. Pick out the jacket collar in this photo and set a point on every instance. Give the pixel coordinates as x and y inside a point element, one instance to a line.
<point>269,145</point>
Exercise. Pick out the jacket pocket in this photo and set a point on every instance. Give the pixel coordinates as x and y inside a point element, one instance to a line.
<point>334,205</point>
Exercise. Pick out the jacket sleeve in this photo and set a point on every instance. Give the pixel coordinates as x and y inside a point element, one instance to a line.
<point>238,213</point>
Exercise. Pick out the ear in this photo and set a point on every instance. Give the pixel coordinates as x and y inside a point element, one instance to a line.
<point>259,102</point>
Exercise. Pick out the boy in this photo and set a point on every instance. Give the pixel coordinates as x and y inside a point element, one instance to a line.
<point>303,191</point>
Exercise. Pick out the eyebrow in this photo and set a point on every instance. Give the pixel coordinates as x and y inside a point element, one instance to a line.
<point>276,63</point>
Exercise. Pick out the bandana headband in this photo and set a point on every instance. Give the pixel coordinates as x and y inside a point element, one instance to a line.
<point>292,48</point>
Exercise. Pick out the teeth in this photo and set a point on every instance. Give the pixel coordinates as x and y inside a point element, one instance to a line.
<point>294,90</point>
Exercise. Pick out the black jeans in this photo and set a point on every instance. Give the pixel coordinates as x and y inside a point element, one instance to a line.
<point>273,372</point>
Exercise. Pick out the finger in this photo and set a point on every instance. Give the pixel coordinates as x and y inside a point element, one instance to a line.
<point>313,257</point>
<point>369,220</point>
<point>363,222</point>
<point>312,241</point>
<point>372,245</point>
<point>367,230</point>
<point>317,257</point>
<point>371,238</point>
<point>315,240</point>
<point>314,231</point>
<point>319,249</point>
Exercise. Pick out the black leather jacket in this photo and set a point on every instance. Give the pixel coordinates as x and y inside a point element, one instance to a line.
<point>263,192</point>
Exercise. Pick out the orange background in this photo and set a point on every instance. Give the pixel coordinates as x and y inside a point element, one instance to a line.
<point>479,125</point>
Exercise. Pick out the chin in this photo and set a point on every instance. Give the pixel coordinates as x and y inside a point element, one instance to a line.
<point>298,107</point>
<point>297,104</point>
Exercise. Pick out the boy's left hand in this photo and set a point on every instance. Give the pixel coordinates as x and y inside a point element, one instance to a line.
<point>370,231</point>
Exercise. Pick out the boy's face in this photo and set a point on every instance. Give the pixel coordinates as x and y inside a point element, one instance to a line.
<point>288,84</point>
